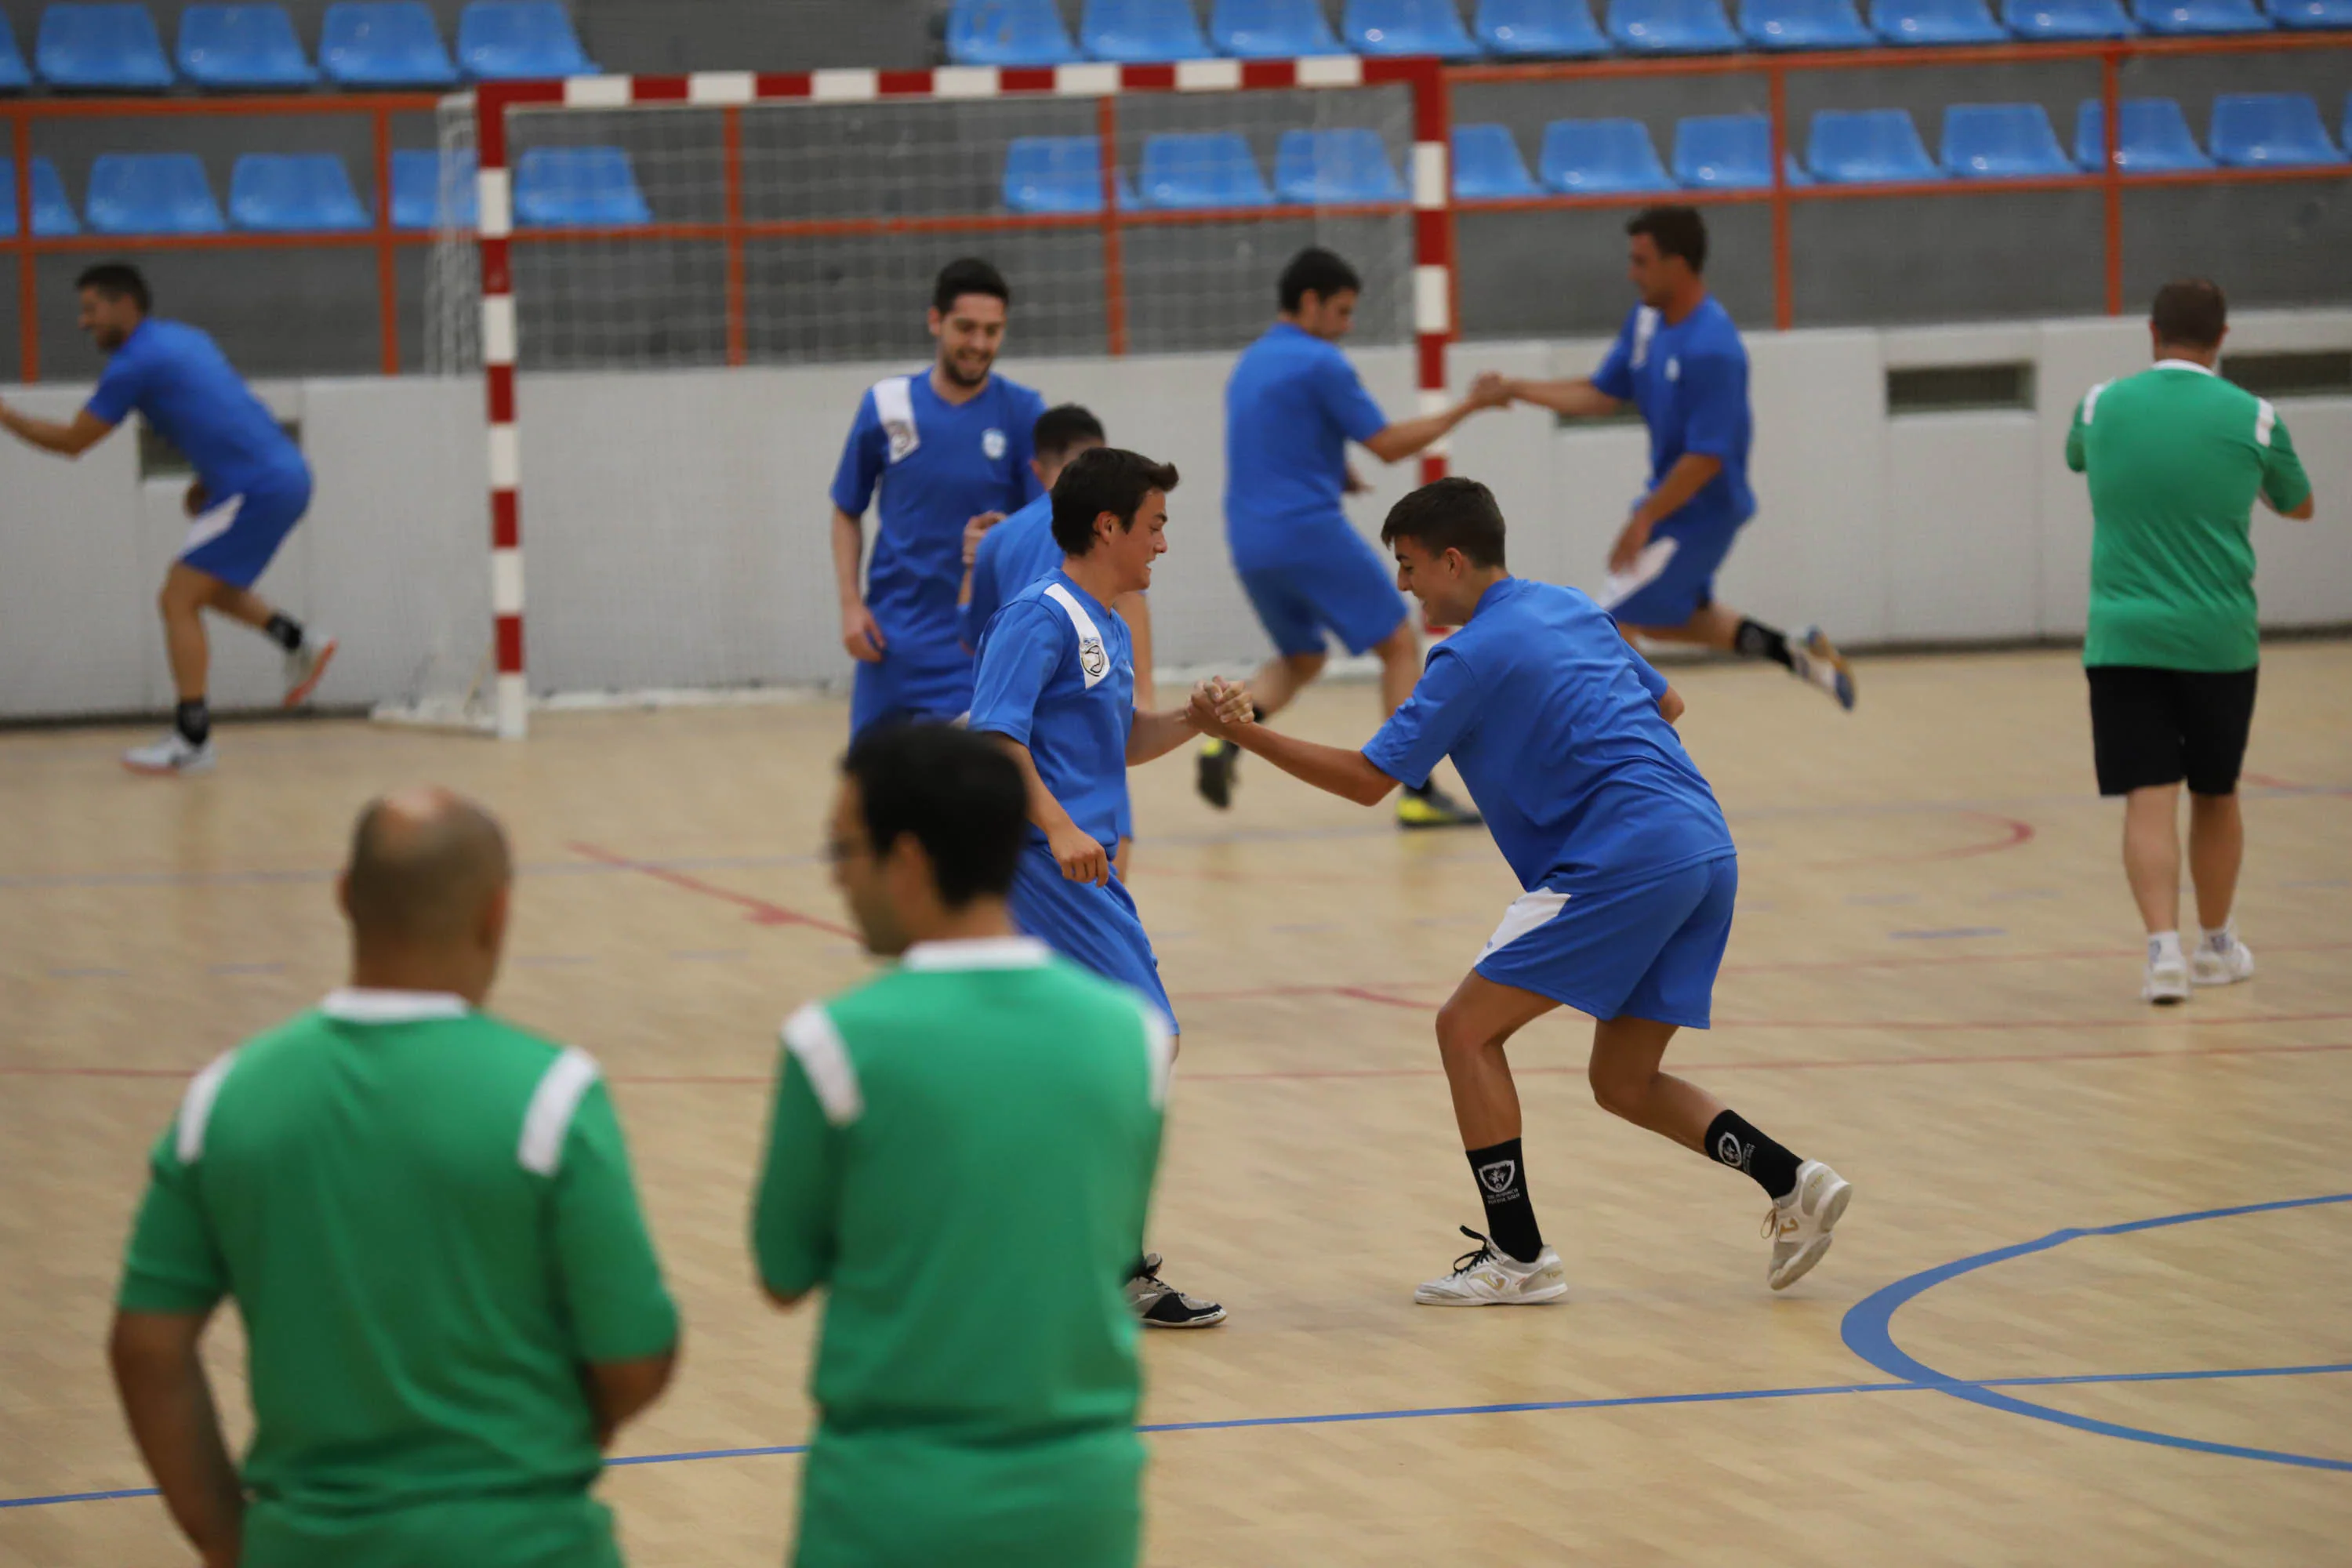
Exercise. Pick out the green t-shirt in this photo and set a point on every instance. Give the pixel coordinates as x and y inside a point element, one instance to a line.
<point>426,1219</point>
<point>962,1153</point>
<point>2176,457</point>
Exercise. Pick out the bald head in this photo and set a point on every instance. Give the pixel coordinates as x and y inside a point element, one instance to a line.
<point>426,865</point>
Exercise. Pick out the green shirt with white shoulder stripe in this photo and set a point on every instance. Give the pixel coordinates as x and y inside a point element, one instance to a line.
<point>2176,457</point>
<point>428,1221</point>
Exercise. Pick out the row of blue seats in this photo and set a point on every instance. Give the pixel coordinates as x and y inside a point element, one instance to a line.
<point>387,43</point>
<point>1030,32</point>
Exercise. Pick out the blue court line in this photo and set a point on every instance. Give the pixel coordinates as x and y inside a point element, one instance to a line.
<point>1940,933</point>
<point>1723,1396</point>
<point>1868,1331</point>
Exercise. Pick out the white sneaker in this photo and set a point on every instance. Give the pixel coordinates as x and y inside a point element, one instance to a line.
<point>174,753</point>
<point>1489,1277</point>
<point>1815,659</point>
<point>2166,982</point>
<point>1799,1224</point>
<point>305,666</point>
<point>2223,964</point>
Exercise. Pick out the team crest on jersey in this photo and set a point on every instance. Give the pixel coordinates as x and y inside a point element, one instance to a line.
<point>992,444</point>
<point>1091,658</point>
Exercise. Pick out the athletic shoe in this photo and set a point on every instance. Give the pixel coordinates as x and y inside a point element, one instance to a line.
<point>306,665</point>
<point>174,753</point>
<point>1816,659</point>
<point>1432,807</point>
<point>1161,1305</point>
<point>1799,1224</point>
<point>2224,965</point>
<point>1489,1276</point>
<point>1215,778</point>
<point>2166,981</point>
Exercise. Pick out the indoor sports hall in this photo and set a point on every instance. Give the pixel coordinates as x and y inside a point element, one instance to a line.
<point>567,310</point>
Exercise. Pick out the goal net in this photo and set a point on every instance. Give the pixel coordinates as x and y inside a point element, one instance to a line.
<point>673,291</point>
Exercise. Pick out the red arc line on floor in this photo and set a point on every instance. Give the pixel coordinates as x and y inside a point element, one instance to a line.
<point>762,911</point>
<point>2014,831</point>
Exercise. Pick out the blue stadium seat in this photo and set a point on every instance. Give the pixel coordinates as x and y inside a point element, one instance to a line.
<point>152,193</point>
<point>1201,168</point>
<point>2201,16</point>
<point>1407,28</point>
<point>384,44</point>
<point>1141,32</point>
<point>249,47</point>
<point>565,188</point>
<point>16,76</point>
<point>1326,168</point>
<point>109,47</point>
<point>1670,28</point>
<point>1554,29</point>
<point>512,40</point>
<point>1930,22</point>
<point>1271,29</point>
<point>53,215</point>
<point>2002,142</point>
<point>1597,157</point>
<point>2319,14</point>
<point>293,192</point>
<point>2264,130</point>
<point>1059,174</point>
<point>2042,21</point>
<point>1008,33</point>
<point>1866,146</point>
<point>1802,25</point>
<point>1729,153</point>
<point>1487,166</point>
<point>417,190</point>
<point>2151,133</point>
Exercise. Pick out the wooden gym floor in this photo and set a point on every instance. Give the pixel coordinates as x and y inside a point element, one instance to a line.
<point>2036,1342</point>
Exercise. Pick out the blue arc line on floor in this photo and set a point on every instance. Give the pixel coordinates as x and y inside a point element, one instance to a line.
<point>1868,1331</point>
<point>1620,1402</point>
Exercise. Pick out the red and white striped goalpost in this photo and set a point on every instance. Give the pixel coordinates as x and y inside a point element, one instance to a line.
<point>1431,198</point>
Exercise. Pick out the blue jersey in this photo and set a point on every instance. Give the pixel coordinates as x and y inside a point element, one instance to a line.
<point>1553,721</point>
<point>1292,405</point>
<point>1011,555</point>
<point>176,376</point>
<point>1058,674</point>
<point>939,466</point>
<point>1690,382</point>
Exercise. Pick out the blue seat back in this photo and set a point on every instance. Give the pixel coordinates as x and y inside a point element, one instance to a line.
<point>1407,28</point>
<point>1589,157</point>
<point>1863,146</point>
<point>106,47</point>
<point>1724,152</point>
<point>1935,22</point>
<point>1271,29</point>
<point>1054,175</point>
<point>1802,23</point>
<point>1142,31</point>
<point>1554,28</point>
<point>1487,165</point>
<point>53,214</point>
<point>242,45</point>
<point>1008,33</point>
<point>384,43</point>
<point>2151,133</point>
<point>2045,19</point>
<point>561,187</point>
<point>2002,142</point>
<point>1670,26</point>
<point>2254,130</point>
<point>1325,168</point>
<point>2200,16</point>
<point>1201,168</point>
<point>426,188</point>
<point>2309,14</point>
<point>280,192</point>
<point>518,40</point>
<point>16,76</point>
<point>152,193</point>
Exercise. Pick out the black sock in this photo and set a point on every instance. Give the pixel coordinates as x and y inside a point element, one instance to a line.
<point>1741,1147</point>
<point>284,630</point>
<point>1756,640</point>
<point>1503,1186</point>
<point>194,721</point>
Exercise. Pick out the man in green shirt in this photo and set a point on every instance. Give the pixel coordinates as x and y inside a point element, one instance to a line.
<point>2176,458</point>
<point>962,1153</point>
<point>427,1220</point>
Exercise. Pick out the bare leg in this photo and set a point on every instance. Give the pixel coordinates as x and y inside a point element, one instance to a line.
<point>1626,1082</point>
<point>1471,1030</point>
<point>1280,679</point>
<point>2152,855</point>
<point>1712,626</point>
<point>1122,857</point>
<point>1399,653</point>
<point>186,592</point>
<point>240,604</point>
<point>2216,847</point>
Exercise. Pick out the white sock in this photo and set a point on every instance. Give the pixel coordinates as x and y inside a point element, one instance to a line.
<point>2223,940</point>
<point>2164,947</point>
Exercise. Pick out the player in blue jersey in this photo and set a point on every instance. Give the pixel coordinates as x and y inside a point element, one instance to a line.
<point>1564,735</point>
<point>1056,683</point>
<point>1292,405</point>
<point>947,447</point>
<point>1679,360</point>
<point>251,487</point>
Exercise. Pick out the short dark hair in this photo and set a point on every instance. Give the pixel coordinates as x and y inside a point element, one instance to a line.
<point>968,275</point>
<point>1317,272</point>
<point>1450,514</point>
<point>1061,427</point>
<point>117,280</point>
<point>2189,312</point>
<point>1675,231</point>
<point>959,794</point>
<point>1104,479</point>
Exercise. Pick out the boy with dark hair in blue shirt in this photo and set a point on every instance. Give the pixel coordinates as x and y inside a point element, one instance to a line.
<point>1564,735</point>
<point>251,487</point>
<point>1679,360</point>
<point>946,448</point>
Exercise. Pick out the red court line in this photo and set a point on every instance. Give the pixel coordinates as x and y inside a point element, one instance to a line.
<point>762,911</point>
<point>1940,960</point>
<point>2014,831</point>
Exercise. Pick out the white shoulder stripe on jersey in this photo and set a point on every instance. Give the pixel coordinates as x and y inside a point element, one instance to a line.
<point>1160,1043</point>
<point>2265,421</point>
<point>1645,325</point>
<point>894,405</point>
<point>811,1036</point>
<point>1094,659</point>
<point>553,1103</point>
<point>2091,400</point>
<point>197,1108</point>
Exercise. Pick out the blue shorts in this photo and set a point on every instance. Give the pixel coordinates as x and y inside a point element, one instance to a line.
<point>1346,591</point>
<point>1096,928</point>
<point>1673,580</point>
<point>1649,950</point>
<point>235,536</point>
<point>897,689</point>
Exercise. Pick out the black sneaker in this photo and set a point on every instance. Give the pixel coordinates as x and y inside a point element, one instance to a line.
<point>1160,1305</point>
<point>1432,807</point>
<point>1215,778</point>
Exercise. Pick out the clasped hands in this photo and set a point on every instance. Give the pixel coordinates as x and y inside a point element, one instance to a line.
<point>1218,707</point>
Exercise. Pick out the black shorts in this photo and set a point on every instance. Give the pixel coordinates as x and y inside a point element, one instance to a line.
<point>2155,726</point>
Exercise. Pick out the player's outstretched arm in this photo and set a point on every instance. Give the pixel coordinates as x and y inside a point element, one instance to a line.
<point>1154,736</point>
<point>1577,399</point>
<point>1400,440</point>
<point>1222,711</point>
<point>68,440</point>
<point>1074,851</point>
